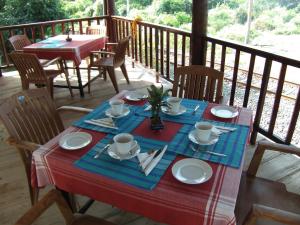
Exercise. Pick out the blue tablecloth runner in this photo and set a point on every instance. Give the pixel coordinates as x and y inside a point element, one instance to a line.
<point>232,144</point>
<point>127,171</point>
<point>125,124</point>
<point>186,118</point>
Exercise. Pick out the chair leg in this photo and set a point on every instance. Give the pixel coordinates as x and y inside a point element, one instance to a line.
<point>50,87</point>
<point>124,71</point>
<point>34,194</point>
<point>89,79</point>
<point>103,72</point>
<point>66,72</point>
<point>111,73</point>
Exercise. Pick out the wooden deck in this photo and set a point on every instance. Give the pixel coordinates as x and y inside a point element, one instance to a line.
<point>14,197</point>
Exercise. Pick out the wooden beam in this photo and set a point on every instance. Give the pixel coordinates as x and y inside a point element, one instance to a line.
<point>110,7</point>
<point>199,30</point>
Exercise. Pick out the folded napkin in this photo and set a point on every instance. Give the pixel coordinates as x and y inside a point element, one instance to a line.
<point>221,130</point>
<point>104,122</point>
<point>148,161</point>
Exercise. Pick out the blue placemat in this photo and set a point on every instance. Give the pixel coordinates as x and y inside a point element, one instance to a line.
<point>127,171</point>
<point>232,144</point>
<point>186,118</point>
<point>125,124</point>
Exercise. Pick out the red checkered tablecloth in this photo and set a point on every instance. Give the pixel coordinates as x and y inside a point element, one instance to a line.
<point>76,50</point>
<point>170,202</point>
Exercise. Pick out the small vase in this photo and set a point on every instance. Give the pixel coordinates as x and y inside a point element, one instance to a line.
<point>156,123</point>
<point>68,38</point>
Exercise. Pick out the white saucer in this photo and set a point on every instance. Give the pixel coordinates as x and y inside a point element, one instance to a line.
<point>135,96</point>
<point>112,152</point>
<point>192,171</point>
<point>125,112</point>
<point>75,141</point>
<point>224,111</point>
<point>213,138</point>
<point>181,111</point>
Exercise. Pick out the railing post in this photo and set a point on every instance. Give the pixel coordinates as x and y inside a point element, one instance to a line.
<point>199,28</point>
<point>110,7</point>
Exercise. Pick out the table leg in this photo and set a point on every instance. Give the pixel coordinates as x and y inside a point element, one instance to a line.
<point>70,199</point>
<point>79,81</point>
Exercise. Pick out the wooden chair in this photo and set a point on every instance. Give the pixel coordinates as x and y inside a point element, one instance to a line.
<point>96,29</point>
<point>18,42</point>
<point>115,59</point>
<point>198,82</point>
<point>32,71</point>
<point>261,198</point>
<point>48,200</point>
<point>31,120</point>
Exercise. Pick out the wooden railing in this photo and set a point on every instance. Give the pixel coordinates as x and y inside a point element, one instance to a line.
<point>155,46</point>
<point>163,48</point>
<point>41,30</point>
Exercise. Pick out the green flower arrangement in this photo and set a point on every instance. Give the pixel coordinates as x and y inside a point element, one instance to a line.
<point>156,100</point>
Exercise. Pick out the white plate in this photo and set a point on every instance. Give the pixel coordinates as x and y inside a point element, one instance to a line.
<point>213,138</point>
<point>74,141</point>
<point>125,112</point>
<point>224,111</point>
<point>135,96</point>
<point>166,110</point>
<point>112,152</point>
<point>192,171</point>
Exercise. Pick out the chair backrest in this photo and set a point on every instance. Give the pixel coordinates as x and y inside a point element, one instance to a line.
<point>31,116</point>
<point>18,42</point>
<point>29,67</point>
<point>198,82</point>
<point>120,51</point>
<point>98,29</point>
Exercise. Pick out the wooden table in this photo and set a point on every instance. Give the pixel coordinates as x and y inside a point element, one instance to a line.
<point>76,50</point>
<point>169,202</point>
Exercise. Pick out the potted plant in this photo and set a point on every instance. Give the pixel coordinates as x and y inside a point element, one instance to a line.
<point>155,99</point>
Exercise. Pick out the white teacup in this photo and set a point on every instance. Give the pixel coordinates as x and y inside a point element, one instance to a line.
<point>124,143</point>
<point>116,106</point>
<point>174,104</point>
<point>203,131</point>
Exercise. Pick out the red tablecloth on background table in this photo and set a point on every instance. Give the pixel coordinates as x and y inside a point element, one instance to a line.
<point>170,202</point>
<point>76,50</point>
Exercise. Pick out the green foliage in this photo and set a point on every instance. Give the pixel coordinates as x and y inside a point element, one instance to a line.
<point>20,11</point>
<point>173,6</point>
<point>220,17</point>
<point>82,8</point>
<point>155,99</point>
<point>241,15</point>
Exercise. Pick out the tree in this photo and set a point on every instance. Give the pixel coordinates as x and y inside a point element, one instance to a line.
<point>21,11</point>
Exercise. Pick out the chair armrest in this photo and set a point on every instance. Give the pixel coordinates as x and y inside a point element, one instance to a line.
<point>52,61</point>
<point>74,109</point>
<point>260,211</point>
<point>102,52</point>
<point>27,145</point>
<point>50,198</point>
<point>264,145</point>
<point>111,43</point>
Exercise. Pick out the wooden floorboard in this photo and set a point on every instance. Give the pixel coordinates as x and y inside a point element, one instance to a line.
<point>14,198</point>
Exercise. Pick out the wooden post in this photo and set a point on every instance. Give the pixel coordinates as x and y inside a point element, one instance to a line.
<point>199,29</point>
<point>110,7</point>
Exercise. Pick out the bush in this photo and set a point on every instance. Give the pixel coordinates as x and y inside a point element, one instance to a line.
<point>241,15</point>
<point>220,17</point>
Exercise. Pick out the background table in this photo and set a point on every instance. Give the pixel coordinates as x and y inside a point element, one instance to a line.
<point>170,202</point>
<point>76,50</point>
